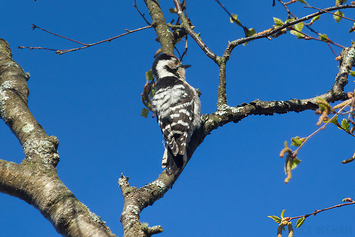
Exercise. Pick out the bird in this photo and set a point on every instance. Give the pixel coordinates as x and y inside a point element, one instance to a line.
<point>177,107</point>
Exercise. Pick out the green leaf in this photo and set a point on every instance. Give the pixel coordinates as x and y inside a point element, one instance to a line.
<point>303,1</point>
<point>276,219</point>
<point>300,222</point>
<point>297,34</point>
<point>324,37</point>
<point>234,18</point>
<point>316,18</point>
<point>250,32</point>
<point>345,125</point>
<point>145,113</point>
<point>172,10</point>
<point>352,73</point>
<point>296,141</point>
<point>282,213</point>
<point>294,162</point>
<point>152,92</point>
<point>278,22</point>
<point>338,15</point>
<point>334,120</point>
<point>149,75</point>
<point>338,2</point>
<point>299,26</point>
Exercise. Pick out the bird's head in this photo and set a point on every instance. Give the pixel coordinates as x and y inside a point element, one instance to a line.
<point>166,65</point>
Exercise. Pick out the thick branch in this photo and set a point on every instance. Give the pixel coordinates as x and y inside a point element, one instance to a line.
<point>347,61</point>
<point>135,200</point>
<point>14,111</point>
<point>49,195</point>
<point>35,180</point>
<point>228,114</point>
<point>163,32</point>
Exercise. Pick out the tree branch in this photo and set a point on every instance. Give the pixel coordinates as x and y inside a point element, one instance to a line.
<point>226,114</point>
<point>35,180</point>
<point>186,25</point>
<point>166,38</point>
<point>240,41</point>
<point>63,51</point>
<point>135,200</point>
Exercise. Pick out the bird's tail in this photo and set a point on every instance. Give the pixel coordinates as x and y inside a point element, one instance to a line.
<point>172,163</point>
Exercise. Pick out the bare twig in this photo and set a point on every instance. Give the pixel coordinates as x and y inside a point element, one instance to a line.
<point>350,202</point>
<point>31,48</point>
<point>37,27</point>
<point>141,14</point>
<point>63,51</point>
<point>189,30</point>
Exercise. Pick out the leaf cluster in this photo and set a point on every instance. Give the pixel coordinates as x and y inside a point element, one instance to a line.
<point>346,124</point>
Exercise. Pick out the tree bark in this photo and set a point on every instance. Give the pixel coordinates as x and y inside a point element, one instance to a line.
<point>35,180</point>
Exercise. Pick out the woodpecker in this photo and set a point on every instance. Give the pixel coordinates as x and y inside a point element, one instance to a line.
<point>178,109</point>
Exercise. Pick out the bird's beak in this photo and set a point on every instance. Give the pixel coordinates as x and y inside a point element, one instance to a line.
<point>185,66</point>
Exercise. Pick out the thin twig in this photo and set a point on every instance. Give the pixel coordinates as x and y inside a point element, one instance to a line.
<point>189,30</point>
<point>308,37</point>
<point>37,27</point>
<point>60,51</point>
<point>142,15</point>
<point>245,29</point>
<point>31,48</point>
<point>237,42</point>
<point>289,13</point>
<point>330,13</point>
<point>325,209</point>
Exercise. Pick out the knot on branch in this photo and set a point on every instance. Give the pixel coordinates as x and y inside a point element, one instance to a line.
<point>42,151</point>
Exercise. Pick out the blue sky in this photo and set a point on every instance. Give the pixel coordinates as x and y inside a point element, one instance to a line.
<point>90,100</point>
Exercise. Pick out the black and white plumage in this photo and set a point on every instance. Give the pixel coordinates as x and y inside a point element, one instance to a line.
<point>177,107</point>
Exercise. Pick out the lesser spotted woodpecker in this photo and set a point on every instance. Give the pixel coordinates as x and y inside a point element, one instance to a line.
<point>177,107</point>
